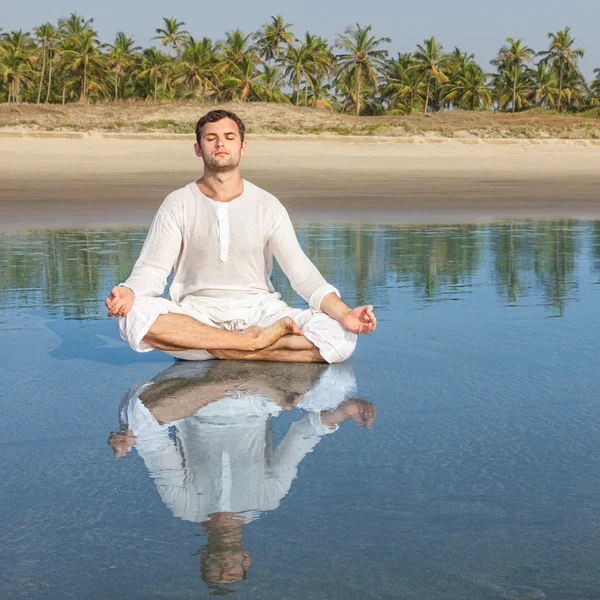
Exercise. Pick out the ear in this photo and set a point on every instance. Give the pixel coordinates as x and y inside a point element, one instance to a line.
<point>197,150</point>
<point>244,147</point>
<point>246,561</point>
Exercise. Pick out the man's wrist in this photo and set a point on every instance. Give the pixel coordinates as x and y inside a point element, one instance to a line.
<point>126,286</point>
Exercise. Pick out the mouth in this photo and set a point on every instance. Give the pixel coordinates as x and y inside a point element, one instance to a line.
<point>221,153</point>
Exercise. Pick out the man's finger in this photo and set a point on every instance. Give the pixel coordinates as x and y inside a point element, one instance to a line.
<point>110,304</point>
<point>118,309</point>
<point>373,320</point>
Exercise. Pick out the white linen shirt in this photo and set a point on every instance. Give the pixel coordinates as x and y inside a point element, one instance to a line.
<point>223,250</point>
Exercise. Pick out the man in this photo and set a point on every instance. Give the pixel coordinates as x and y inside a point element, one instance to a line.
<point>220,235</point>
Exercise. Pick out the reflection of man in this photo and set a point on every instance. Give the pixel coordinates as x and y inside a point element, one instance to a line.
<point>204,431</point>
<point>219,235</point>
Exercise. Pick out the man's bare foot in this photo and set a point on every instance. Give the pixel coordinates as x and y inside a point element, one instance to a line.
<point>263,337</point>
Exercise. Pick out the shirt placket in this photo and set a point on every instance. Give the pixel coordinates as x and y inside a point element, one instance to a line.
<point>223,217</point>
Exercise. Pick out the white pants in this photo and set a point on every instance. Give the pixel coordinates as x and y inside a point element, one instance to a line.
<point>334,342</point>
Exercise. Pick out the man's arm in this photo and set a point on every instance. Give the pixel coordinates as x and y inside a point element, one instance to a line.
<point>157,257</point>
<point>310,284</point>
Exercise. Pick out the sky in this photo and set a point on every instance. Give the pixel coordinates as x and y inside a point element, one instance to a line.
<point>479,27</point>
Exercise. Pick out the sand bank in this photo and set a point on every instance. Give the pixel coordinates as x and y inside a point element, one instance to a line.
<point>112,180</point>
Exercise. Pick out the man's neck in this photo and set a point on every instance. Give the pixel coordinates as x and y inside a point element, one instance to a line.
<point>222,187</point>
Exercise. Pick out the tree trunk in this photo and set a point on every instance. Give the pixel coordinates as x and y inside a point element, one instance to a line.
<point>514,102</point>
<point>82,97</point>
<point>155,85</point>
<point>358,97</point>
<point>297,89</point>
<point>427,94</point>
<point>116,86</point>
<point>63,98</point>
<point>49,82</point>
<point>43,70</point>
<point>306,93</point>
<point>165,81</point>
<point>560,78</point>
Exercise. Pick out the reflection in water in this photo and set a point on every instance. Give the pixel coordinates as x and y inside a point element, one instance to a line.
<point>70,271</point>
<point>531,251</point>
<point>205,433</point>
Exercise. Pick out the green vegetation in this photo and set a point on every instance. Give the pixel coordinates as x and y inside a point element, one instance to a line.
<point>67,63</point>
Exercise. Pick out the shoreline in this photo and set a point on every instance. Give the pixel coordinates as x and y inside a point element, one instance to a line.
<point>295,137</point>
<point>119,180</point>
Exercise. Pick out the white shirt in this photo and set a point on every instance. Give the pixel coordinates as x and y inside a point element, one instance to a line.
<point>223,250</point>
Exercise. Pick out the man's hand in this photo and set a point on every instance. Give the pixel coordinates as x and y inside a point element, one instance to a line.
<point>120,442</point>
<point>360,411</point>
<point>360,320</point>
<point>119,301</point>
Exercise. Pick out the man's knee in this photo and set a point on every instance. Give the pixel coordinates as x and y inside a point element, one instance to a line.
<point>343,348</point>
<point>335,343</point>
<point>135,326</point>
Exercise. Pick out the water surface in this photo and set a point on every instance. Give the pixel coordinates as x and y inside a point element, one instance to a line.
<point>479,477</point>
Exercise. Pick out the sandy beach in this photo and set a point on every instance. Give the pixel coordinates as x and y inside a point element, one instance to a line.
<point>93,179</point>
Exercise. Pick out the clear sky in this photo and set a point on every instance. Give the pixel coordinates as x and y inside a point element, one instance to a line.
<point>480,27</point>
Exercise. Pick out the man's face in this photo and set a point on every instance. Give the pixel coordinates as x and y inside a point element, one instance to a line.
<point>220,146</point>
<point>226,567</point>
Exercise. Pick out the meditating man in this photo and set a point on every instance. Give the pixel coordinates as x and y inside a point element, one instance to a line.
<point>218,236</point>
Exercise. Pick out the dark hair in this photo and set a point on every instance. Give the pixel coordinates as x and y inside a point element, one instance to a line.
<point>217,115</point>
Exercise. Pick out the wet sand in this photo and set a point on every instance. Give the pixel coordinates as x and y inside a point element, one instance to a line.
<point>99,180</point>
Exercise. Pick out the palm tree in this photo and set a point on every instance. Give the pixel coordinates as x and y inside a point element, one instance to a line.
<point>404,88</point>
<point>318,61</point>
<point>47,34</point>
<point>54,55</point>
<point>595,87</point>
<point>322,94</point>
<point>361,59</point>
<point>271,79</point>
<point>71,28</point>
<point>233,49</point>
<point>561,56</point>
<point>121,57</point>
<point>82,55</point>
<point>511,84</point>
<point>171,34</point>
<point>469,89</point>
<point>16,63</point>
<point>430,61</point>
<point>272,36</point>
<point>18,40</point>
<point>16,70</point>
<point>296,61</point>
<point>154,65</point>
<point>544,85</point>
<point>574,87</point>
<point>196,67</point>
<point>243,81</point>
<point>514,55</point>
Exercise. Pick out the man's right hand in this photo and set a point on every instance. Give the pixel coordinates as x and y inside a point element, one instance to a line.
<point>119,301</point>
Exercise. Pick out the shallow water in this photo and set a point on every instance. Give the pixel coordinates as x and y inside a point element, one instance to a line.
<point>479,478</point>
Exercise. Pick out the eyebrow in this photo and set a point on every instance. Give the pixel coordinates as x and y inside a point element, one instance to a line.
<point>226,133</point>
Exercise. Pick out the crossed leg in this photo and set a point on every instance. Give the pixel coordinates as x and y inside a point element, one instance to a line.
<point>174,332</point>
<point>288,348</point>
<point>287,335</point>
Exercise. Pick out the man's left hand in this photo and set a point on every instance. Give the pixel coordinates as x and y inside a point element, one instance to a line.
<point>360,320</point>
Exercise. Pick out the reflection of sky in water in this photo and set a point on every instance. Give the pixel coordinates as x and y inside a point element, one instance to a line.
<point>479,476</point>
